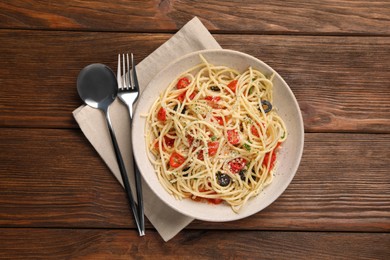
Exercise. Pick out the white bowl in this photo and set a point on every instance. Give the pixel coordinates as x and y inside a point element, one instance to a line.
<point>289,155</point>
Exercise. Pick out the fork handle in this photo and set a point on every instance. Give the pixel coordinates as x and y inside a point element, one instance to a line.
<point>125,178</point>
<point>138,183</point>
<point>137,176</point>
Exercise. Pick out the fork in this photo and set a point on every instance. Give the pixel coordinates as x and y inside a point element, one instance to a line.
<point>128,92</point>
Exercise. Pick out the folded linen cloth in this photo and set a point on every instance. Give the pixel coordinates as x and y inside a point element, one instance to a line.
<point>191,37</point>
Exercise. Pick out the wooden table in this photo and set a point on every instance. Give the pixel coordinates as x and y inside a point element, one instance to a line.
<point>58,199</point>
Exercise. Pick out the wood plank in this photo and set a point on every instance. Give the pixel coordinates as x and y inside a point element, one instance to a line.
<point>326,17</point>
<point>342,183</point>
<point>39,89</point>
<point>341,83</point>
<point>53,178</point>
<point>125,244</point>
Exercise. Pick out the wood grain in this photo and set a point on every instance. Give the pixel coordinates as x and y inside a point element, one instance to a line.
<point>125,244</point>
<point>261,17</point>
<point>53,178</point>
<point>341,83</point>
<point>58,200</point>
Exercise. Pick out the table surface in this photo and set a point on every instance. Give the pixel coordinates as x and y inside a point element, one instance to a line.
<point>59,200</point>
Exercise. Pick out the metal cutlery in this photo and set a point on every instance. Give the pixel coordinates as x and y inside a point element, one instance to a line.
<point>128,92</point>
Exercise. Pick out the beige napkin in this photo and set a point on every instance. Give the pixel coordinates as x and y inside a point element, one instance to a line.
<point>192,37</point>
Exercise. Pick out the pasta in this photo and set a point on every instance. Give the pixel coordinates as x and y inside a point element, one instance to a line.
<point>213,134</point>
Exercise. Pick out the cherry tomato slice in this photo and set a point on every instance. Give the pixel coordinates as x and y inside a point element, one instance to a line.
<point>267,159</point>
<point>182,83</point>
<point>156,147</point>
<point>213,101</point>
<point>236,165</point>
<point>213,148</point>
<point>193,94</point>
<point>209,200</point>
<point>176,160</point>
<point>233,85</point>
<point>182,96</point>
<point>200,155</point>
<point>254,131</point>
<point>233,137</point>
<point>162,114</point>
<point>219,120</point>
<point>169,142</point>
<point>215,201</point>
<point>190,139</point>
<point>212,98</point>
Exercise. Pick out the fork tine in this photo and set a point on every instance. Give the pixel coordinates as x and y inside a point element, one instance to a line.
<point>128,76</point>
<point>118,73</point>
<point>123,72</point>
<point>131,72</point>
<point>134,73</point>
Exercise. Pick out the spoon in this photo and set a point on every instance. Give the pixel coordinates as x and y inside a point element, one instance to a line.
<point>97,87</point>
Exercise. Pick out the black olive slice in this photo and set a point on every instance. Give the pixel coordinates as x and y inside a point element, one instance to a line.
<point>223,179</point>
<point>267,106</point>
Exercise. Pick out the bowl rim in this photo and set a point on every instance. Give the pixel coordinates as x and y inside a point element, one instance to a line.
<point>139,158</point>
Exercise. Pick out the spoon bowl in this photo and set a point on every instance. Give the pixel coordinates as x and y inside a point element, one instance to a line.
<point>97,86</point>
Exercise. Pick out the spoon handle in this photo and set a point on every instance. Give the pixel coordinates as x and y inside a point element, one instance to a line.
<point>124,175</point>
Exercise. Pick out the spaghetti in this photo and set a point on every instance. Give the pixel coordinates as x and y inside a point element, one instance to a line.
<point>213,134</point>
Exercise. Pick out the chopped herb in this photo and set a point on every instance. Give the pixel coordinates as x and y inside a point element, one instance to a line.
<point>247,147</point>
<point>248,119</point>
<point>213,138</point>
